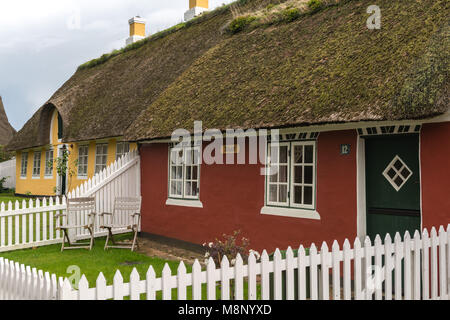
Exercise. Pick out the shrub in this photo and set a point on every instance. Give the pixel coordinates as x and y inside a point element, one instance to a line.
<point>228,247</point>
<point>291,14</point>
<point>315,5</point>
<point>240,23</point>
<point>2,182</point>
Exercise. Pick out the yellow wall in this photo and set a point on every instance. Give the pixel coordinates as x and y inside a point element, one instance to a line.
<point>43,186</point>
<point>137,29</point>
<point>198,3</point>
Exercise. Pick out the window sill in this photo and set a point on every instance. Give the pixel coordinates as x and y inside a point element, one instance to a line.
<point>291,212</point>
<point>184,203</point>
<point>82,177</point>
<point>35,177</point>
<point>48,177</point>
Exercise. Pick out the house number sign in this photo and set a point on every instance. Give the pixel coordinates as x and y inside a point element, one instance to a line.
<point>345,149</point>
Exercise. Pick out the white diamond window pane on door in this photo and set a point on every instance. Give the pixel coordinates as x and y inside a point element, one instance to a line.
<point>397,173</point>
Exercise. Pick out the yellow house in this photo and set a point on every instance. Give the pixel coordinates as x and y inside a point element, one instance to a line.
<point>36,172</point>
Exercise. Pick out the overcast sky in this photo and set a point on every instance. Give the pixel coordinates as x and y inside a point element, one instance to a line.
<point>42,42</point>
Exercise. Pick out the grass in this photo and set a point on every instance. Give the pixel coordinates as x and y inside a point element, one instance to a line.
<point>9,196</point>
<point>91,263</point>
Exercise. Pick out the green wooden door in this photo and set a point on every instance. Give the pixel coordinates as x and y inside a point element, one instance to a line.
<point>392,185</point>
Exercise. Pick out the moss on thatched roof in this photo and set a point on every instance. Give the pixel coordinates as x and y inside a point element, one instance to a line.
<point>6,129</point>
<point>325,67</point>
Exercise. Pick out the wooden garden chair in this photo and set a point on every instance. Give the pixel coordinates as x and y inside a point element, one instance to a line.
<point>126,215</point>
<point>76,206</point>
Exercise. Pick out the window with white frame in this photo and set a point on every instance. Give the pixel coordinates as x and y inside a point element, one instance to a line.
<point>184,173</point>
<point>101,157</point>
<point>122,149</point>
<point>24,165</point>
<point>291,174</point>
<point>83,157</point>
<point>49,163</point>
<point>37,164</point>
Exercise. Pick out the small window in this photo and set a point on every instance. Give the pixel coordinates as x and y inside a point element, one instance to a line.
<point>60,127</point>
<point>291,175</point>
<point>101,157</point>
<point>49,163</point>
<point>37,164</point>
<point>122,149</point>
<point>24,165</point>
<point>184,173</point>
<point>83,156</point>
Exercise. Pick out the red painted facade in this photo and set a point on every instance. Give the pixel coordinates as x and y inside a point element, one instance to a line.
<point>435,175</point>
<point>233,195</point>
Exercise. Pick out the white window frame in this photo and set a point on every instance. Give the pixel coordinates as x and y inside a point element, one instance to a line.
<point>289,204</point>
<point>268,175</point>
<point>37,164</point>
<point>120,146</point>
<point>292,183</point>
<point>97,164</point>
<point>82,175</point>
<point>183,180</point>
<point>48,172</point>
<point>24,165</point>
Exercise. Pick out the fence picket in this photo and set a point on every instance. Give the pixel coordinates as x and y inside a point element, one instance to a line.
<point>135,285</point>
<point>357,269</point>
<point>378,267</point>
<point>416,275</point>
<point>313,272</point>
<point>407,276</point>
<point>151,283</point>
<point>118,291</point>
<point>442,265</point>
<point>100,284</point>
<point>181,282</point>
<point>252,271</point>
<point>388,267</point>
<point>398,266</point>
<point>324,279</point>
<point>347,270</point>
<point>425,265</point>
<point>301,256</point>
<point>239,278</point>
<point>434,264</point>
<point>166,285</point>
<point>211,280</point>
<point>265,279</point>
<point>196,281</point>
<point>336,276</point>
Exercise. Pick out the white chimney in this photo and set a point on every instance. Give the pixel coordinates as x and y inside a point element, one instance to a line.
<point>196,7</point>
<point>137,29</point>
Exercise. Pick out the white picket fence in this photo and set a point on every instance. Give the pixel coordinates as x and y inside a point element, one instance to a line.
<point>32,223</point>
<point>415,268</point>
<point>20,282</point>
<point>120,179</point>
<point>8,171</point>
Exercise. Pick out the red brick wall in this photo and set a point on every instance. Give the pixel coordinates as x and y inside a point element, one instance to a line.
<point>435,175</point>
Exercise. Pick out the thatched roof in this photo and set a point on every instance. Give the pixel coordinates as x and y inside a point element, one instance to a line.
<point>6,129</point>
<point>319,68</point>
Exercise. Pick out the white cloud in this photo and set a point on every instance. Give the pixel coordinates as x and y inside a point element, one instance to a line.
<point>42,42</point>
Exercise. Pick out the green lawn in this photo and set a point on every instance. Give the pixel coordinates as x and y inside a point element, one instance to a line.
<point>90,263</point>
<point>9,196</point>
